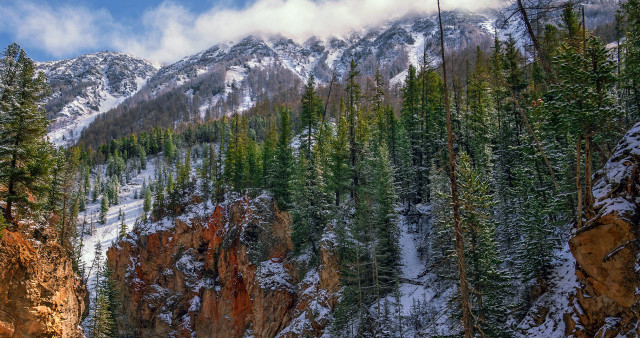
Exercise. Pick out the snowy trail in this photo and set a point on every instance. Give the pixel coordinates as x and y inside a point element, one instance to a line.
<point>412,265</point>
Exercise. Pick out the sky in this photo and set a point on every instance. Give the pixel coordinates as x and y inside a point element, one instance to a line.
<point>166,31</point>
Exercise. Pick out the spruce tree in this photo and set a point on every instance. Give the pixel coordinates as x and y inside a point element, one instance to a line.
<point>25,158</point>
<point>284,166</point>
<point>309,113</point>
<point>487,280</point>
<point>632,58</point>
<point>311,204</point>
<point>412,122</point>
<point>104,208</point>
<point>123,228</point>
<point>353,107</point>
<point>384,217</point>
<point>339,163</point>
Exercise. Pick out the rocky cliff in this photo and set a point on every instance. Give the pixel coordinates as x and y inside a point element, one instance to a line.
<point>607,249</point>
<point>40,296</point>
<point>222,272</point>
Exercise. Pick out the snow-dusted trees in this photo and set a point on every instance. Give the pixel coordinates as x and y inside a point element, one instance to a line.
<point>24,154</point>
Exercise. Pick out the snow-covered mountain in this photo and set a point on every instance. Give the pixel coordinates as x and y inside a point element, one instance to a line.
<point>234,76</point>
<point>85,86</point>
<point>238,75</point>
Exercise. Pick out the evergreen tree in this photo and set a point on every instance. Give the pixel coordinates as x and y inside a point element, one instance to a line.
<point>309,113</point>
<point>488,283</point>
<point>236,168</point>
<point>269,156</point>
<point>104,317</point>
<point>158,201</point>
<point>632,43</point>
<point>339,162</point>
<point>25,158</point>
<point>353,102</point>
<point>123,228</point>
<point>284,166</point>
<point>104,208</point>
<point>169,147</point>
<point>412,123</point>
<point>384,217</point>
<point>310,212</point>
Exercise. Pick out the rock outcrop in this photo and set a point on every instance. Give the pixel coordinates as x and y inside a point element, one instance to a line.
<point>40,296</point>
<point>225,273</point>
<point>607,249</point>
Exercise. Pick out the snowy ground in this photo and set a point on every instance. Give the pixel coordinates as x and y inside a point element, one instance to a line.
<point>106,234</point>
<point>422,294</point>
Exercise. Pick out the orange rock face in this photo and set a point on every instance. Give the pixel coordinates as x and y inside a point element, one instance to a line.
<point>40,296</point>
<point>607,248</point>
<point>224,274</point>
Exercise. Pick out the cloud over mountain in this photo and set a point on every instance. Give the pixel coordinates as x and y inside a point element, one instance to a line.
<point>169,31</point>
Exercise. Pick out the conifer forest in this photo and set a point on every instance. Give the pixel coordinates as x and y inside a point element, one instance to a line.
<point>431,177</point>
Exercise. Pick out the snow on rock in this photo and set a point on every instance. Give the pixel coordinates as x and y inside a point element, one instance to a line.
<point>273,275</point>
<point>606,247</point>
<point>618,169</point>
<point>546,316</point>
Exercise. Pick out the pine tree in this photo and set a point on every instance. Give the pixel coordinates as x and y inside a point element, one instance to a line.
<point>104,208</point>
<point>632,43</point>
<point>384,217</point>
<point>339,162</point>
<point>284,163</point>
<point>25,158</point>
<point>169,147</point>
<point>353,101</point>
<point>309,113</point>
<point>123,227</point>
<point>269,155</point>
<point>236,168</point>
<point>412,123</point>
<point>158,200</point>
<point>488,282</point>
<point>582,103</point>
<point>105,306</point>
<point>310,212</point>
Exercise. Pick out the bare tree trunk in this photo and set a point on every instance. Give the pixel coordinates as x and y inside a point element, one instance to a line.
<point>578,185</point>
<point>464,290</point>
<point>534,40</point>
<point>375,270</point>
<point>588,181</point>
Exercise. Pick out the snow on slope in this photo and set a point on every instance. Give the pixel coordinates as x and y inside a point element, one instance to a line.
<point>70,125</point>
<point>562,284</point>
<point>88,85</point>
<point>107,234</point>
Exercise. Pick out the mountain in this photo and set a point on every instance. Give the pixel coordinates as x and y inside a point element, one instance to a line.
<point>85,86</point>
<point>235,76</point>
<point>239,75</point>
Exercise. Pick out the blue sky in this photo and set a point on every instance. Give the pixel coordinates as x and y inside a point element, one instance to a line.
<point>164,31</point>
<point>128,13</point>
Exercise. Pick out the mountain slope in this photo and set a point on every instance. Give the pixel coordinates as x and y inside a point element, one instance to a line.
<point>268,71</point>
<point>88,85</point>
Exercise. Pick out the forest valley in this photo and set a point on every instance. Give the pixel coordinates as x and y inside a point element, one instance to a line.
<point>484,173</point>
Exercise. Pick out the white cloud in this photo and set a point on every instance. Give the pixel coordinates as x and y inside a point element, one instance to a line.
<point>59,31</point>
<point>170,31</point>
